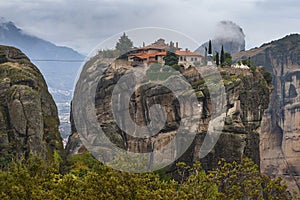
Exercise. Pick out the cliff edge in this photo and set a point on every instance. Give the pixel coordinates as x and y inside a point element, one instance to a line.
<point>247,97</point>
<point>28,115</point>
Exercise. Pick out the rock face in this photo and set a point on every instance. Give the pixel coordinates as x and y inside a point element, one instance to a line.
<point>247,98</point>
<point>228,34</point>
<point>279,148</point>
<point>28,115</point>
<point>60,76</point>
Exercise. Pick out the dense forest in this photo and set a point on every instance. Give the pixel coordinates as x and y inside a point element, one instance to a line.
<point>83,177</point>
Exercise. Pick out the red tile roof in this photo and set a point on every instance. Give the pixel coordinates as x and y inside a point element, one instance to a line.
<point>187,53</point>
<point>154,47</point>
<point>143,55</point>
<point>148,55</point>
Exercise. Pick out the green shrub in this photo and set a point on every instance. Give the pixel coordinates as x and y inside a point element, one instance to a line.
<point>86,178</point>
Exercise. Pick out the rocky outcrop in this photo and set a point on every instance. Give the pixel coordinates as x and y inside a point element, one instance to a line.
<point>28,115</point>
<point>247,98</point>
<point>279,148</point>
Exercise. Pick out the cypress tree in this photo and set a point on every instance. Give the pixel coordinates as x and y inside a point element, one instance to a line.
<point>217,58</point>
<point>222,57</point>
<point>209,47</point>
<point>205,56</point>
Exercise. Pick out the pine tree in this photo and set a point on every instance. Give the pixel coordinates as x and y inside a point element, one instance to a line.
<point>124,44</point>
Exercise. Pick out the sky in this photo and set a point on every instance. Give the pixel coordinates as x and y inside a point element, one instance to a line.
<point>82,24</point>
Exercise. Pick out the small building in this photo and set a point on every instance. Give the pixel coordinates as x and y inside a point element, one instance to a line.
<point>188,58</point>
<point>158,50</point>
<point>147,58</point>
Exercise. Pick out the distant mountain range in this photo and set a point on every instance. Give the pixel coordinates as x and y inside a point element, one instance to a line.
<point>58,64</point>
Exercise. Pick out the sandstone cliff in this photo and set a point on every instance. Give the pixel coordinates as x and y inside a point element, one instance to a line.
<point>247,98</point>
<point>28,114</point>
<point>279,148</point>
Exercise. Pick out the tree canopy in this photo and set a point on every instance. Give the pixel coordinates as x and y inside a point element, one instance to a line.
<point>171,58</point>
<point>83,177</point>
<point>124,44</point>
<point>225,58</point>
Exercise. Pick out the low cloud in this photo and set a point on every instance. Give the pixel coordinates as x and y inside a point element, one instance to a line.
<point>229,31</point>
<point>83,24</point>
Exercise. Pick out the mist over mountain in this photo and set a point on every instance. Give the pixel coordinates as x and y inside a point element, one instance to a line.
<point>58,64</point>
<point>228,34</point>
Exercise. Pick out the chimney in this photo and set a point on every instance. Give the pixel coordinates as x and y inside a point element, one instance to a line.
<point>176,45</point>
<point>186,49</point>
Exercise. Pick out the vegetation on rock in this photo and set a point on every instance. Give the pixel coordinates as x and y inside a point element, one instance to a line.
<point>28,115</point>
<point>171,58</point>
<point>85,178</point>
<point>124,44</point>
